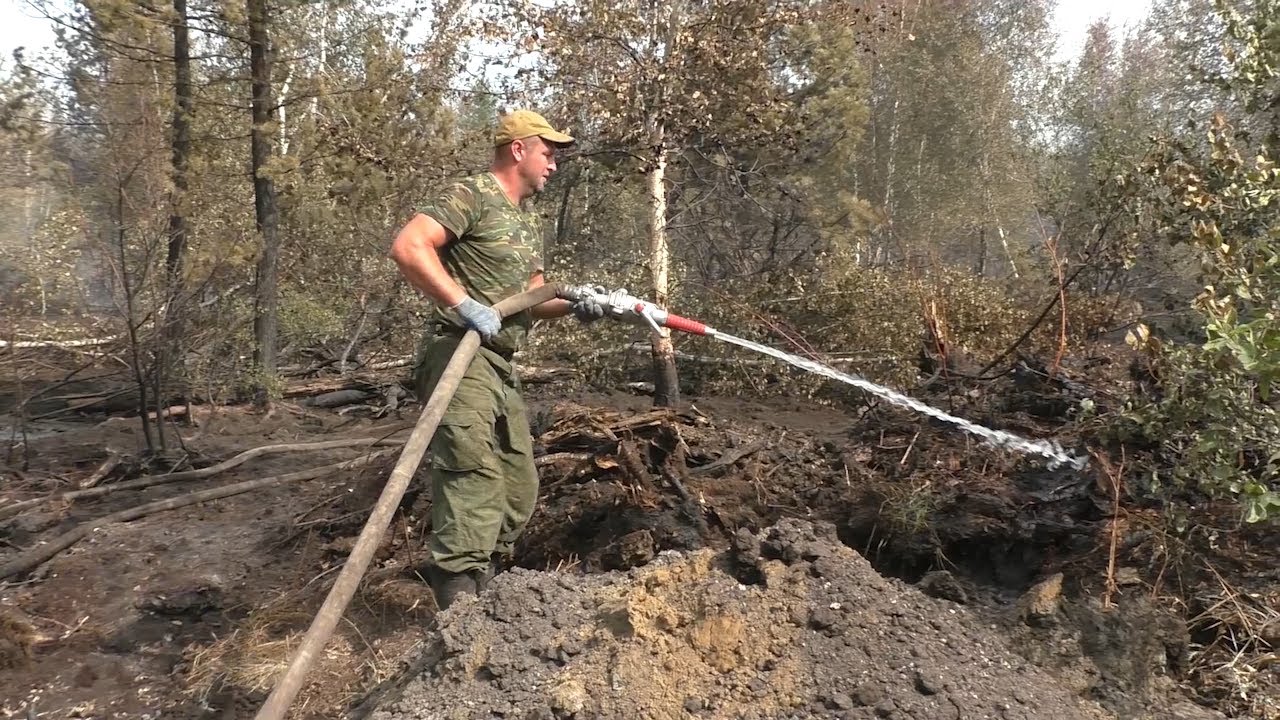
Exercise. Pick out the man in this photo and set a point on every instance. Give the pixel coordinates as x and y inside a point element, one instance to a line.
<point>467,249</point>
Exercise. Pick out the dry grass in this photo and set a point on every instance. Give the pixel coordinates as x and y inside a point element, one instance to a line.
<point>1235,631</point>
<point>1240,662</point>
<point>377,632</point>
<point>256,654</point>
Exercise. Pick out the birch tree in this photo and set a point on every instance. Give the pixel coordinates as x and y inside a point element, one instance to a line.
<point>654,81</point>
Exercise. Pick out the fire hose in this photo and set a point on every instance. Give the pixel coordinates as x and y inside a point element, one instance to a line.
<point>622,306</point>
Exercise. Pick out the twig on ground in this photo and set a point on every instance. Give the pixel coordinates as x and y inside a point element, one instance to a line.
<point>730,457</point>
<point>901,462</point>
<point>553,458</point>
<point>102,472</point>
<point>1114,477</point>
<point>302,515</point>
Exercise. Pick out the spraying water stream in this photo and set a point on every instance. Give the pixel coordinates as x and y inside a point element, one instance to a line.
<point>1054,452</point>
<point>621,305</point>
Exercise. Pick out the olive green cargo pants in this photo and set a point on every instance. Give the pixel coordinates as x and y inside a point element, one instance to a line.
<point>483,480</point>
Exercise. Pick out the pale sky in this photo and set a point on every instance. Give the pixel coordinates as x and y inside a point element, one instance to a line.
<point>20,25</point>
<point>1073,17</point>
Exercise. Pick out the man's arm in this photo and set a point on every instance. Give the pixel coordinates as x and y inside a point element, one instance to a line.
<point>551,308</point>
<point>416,250</point>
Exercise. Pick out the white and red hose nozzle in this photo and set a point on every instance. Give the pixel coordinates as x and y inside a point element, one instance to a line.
<point>621,305</point>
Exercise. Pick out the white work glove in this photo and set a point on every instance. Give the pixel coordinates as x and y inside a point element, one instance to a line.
<point>588,309</point>
<point>481,318</point>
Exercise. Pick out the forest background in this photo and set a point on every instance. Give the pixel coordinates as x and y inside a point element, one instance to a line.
<point>212,186</point>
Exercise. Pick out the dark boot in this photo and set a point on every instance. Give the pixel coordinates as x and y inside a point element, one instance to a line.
<point>447,586</point>
<point>482,578</point>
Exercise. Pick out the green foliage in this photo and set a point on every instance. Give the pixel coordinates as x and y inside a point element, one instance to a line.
<point>909,509</point>
<point>257,380</point>
<point>310,319</point>
<point>1214,420</point>
<point>870,322</point>
<point>948,156</point>
<point>680,73</point>
<point>1206,431</point>
<point>40,278</point>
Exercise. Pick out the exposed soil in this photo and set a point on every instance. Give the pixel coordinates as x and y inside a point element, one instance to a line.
<point>706,563</point>
<point>788,624</point>
<point>119,625</point>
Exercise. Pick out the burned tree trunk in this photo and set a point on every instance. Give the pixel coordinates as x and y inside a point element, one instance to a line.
<point>169,346</point>
<point>265,320</point>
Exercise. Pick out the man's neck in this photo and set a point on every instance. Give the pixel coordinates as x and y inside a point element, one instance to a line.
<point>509,182</point>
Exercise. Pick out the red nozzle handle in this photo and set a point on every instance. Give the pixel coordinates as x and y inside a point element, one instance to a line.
<point>675,322</point>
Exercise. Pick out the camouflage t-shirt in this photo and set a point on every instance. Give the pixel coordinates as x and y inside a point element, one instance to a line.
<point>496,248</point>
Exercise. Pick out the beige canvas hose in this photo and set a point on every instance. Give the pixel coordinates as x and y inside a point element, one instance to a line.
<point>344,588</point>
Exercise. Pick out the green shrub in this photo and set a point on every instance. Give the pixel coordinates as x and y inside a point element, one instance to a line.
<point>1212,421</point>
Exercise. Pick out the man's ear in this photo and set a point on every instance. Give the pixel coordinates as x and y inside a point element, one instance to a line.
<point>518,150</point>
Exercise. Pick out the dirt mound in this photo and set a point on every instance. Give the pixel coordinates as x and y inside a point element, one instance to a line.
<point>789,623</point>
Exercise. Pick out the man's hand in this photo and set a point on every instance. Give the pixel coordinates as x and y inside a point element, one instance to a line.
<point>481,318</point>
<point>588,309</point>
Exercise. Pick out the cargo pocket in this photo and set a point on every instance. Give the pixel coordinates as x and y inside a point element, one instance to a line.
<point>463,442</point>
<point>513,425</point>
<point>515,431</point>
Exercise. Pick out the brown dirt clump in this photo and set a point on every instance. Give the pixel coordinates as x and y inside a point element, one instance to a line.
<point>788,623</point>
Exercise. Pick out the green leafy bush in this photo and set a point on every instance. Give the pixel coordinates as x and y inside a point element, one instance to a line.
<point>867,321</point>
<point>1212,420</point>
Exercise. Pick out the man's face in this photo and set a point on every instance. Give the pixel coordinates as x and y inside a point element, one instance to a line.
<point>536,161</point>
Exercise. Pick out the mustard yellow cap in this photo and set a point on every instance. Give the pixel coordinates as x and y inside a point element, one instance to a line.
<point>520,124</point>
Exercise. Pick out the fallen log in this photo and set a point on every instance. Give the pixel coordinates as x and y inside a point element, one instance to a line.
<point>391,364</point>
<point>61,344</point>
<point>43,552</point>
<point>553,458</point>
<point>530,374</point>
<point>13,509</point>
<point>174,411</point>
<point>372,381</point>
<point>365,382</point>
<point>118,400</point>
<point>338,398</point>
